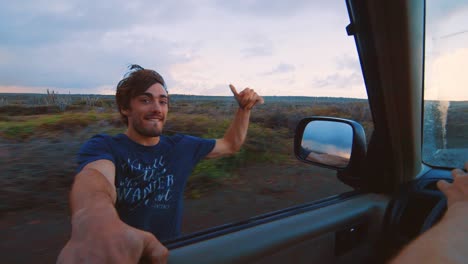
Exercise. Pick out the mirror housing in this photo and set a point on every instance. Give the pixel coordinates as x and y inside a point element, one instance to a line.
<point>333,143</point>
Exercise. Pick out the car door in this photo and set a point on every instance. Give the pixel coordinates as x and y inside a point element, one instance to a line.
<point>346,228</point>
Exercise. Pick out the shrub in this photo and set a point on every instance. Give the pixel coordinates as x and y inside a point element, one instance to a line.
<point>53,98</point>
<point>3,101</point>
<point>23,128</point>
<point>21,110</point>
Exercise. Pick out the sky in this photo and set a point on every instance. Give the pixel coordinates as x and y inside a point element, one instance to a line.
<point>277,47</point>
<point>446,73</point>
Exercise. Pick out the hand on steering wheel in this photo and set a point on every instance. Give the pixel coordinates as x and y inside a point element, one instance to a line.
<point>458,190</point>
<point>455,192</point>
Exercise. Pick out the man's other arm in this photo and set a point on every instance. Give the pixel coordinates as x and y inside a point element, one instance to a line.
<point>237,131</point>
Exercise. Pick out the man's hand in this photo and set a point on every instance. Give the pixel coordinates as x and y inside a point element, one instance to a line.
<point>101,237</point>
<point>247,98</point>
<point>458,190</point>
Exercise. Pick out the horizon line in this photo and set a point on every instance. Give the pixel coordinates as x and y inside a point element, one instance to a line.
<point>302,96</point>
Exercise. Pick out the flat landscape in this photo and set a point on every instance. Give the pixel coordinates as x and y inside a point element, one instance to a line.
<point>40,135</point>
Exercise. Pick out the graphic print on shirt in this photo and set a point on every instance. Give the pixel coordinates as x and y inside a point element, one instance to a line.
<point>145,184</point>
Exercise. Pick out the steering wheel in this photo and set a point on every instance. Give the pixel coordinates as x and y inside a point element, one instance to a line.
<point>435,215</point>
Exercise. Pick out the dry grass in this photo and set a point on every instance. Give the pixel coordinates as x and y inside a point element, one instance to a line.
<point>21,128</point>
<point>40,133</point>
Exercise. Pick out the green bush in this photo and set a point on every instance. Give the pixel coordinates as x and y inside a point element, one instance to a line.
<point>25,127</point>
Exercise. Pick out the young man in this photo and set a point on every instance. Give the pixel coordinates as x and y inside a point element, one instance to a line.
<point>128,193</point>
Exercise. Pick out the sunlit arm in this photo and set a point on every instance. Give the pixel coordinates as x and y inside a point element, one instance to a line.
<point>98,235</point>
<point>234,137</point>
<point>446,242</point>
<point>93,190</point>
<point>237,131</point>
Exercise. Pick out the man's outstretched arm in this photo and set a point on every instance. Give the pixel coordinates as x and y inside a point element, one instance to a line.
<point>237,131</point>
<point>447,241</point>
<point>98,234</point>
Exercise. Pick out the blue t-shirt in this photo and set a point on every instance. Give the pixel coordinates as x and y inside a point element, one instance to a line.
<point>150,180</point>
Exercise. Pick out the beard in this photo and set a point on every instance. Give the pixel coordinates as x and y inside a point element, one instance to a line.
<point>148,130</point>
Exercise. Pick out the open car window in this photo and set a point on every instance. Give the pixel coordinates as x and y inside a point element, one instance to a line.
<point>60,62</point>
<point>305,65</point>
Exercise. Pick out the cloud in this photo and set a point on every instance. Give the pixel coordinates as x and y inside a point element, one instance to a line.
<point>196,45</point>
<point>104,89</point>
<point>438,11</point>
<point>277,8</point>
<point>446,77</point>
<point>281,68</point>
<point>328,147</point>
<point>445,20</point>
<point>219,89</point>
<point>348,62</point>
<point>446,53</point>
<point>258,50</point>
<point>338,80</point>
<point>88,59</point>
<point>41,23</point>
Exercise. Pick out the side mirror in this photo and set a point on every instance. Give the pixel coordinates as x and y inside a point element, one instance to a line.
<point>334,143</point>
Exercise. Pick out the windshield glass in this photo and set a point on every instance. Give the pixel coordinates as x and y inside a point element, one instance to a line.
<point>446,79</point>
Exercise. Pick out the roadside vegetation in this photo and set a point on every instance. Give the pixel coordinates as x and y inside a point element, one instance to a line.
<point>41,134</point>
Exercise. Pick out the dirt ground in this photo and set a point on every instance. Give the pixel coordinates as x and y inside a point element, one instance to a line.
<point>35,223</point>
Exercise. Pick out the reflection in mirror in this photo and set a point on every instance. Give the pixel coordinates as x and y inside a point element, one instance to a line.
<point>327,142</point>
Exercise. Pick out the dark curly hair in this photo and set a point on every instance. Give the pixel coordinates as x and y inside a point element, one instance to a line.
<point>135,82</point>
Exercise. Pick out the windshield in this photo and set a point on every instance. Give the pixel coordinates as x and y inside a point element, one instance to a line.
<point>446,78</point>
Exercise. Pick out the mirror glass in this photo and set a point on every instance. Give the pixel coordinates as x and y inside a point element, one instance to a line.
<point>327,142</point>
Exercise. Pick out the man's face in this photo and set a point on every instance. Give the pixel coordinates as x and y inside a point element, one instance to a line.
<point>148,111</point>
